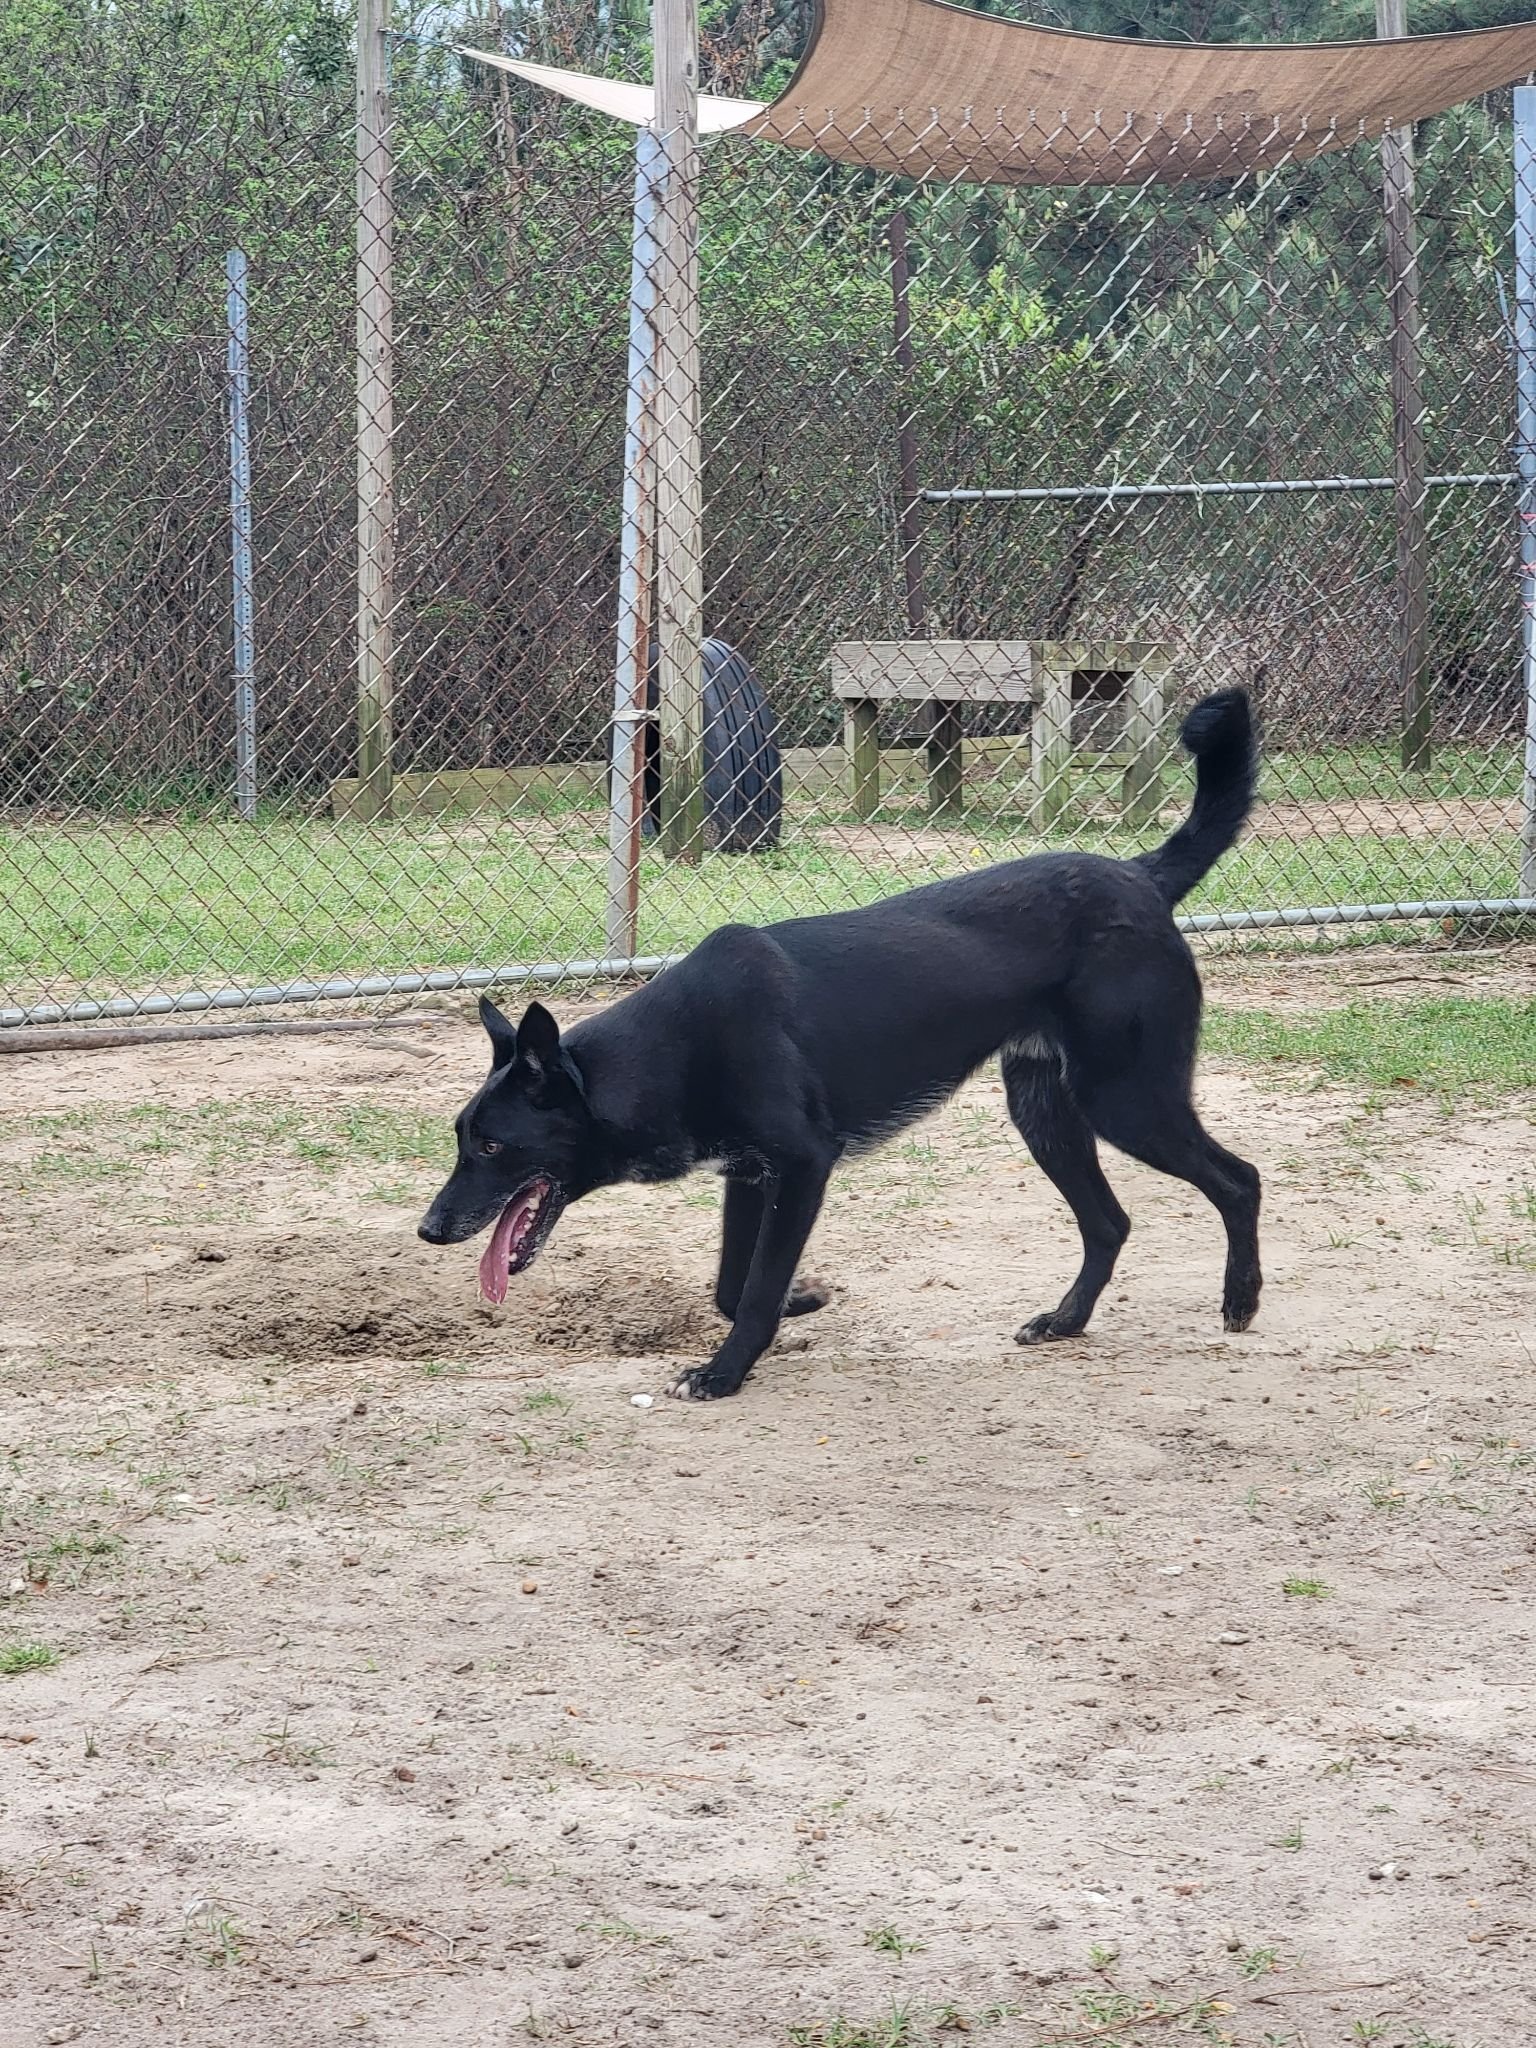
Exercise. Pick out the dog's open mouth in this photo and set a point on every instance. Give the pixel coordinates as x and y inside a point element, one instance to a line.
<point>519,1236</point>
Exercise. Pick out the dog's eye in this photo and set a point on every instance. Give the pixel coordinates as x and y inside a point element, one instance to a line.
<point>488,1146</point>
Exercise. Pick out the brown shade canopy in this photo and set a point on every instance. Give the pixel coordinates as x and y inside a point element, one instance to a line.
<point>926,89</point>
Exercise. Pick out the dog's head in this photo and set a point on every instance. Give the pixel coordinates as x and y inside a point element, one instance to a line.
<point>527,1147</point>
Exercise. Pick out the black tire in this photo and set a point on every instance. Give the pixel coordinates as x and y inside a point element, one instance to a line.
<point>743,769</point>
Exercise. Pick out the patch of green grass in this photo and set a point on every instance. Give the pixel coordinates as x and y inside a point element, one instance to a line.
<point>74,1559</point>
<point>899,2028</point>
<point>906,2026</point>
<point>1130,2019</point>
<point>196,899</point>
<point>1306,1589</point>
<point>15,1658</point>
<point>1448,1048</point>
<point>94,1543</point>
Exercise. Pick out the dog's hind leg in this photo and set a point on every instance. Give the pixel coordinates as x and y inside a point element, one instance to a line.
<point>1052,1126</point>
<point>741,1223</point>
<point>1158,1125</point>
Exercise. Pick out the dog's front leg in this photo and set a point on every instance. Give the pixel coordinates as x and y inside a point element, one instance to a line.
<point>740,1228</point>
<point>791,1203</point>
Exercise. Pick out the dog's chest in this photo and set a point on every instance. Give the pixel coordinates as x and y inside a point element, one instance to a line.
<point>664,1162</point>
<point>741,1163</point>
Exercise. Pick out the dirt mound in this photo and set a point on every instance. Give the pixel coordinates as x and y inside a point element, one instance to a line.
<point>299,1297</point>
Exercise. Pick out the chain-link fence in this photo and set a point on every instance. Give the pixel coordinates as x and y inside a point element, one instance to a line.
<point>995,481</point>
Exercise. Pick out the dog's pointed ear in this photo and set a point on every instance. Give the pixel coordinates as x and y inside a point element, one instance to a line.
<point>502,1032</point>
<point>538,1040</point>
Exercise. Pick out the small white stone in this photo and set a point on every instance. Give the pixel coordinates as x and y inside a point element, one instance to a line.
<point>1170,1571</point>
<point>641,1400</point>
<point>17,1586</point>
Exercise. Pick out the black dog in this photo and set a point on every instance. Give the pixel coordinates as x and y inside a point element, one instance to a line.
<point>772,1053</point>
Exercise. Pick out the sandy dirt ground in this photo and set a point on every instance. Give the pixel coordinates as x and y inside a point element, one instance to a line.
<point>376,1671</point>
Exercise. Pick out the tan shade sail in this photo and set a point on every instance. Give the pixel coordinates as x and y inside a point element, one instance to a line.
<point>615,96</point>
<point>922,88</point>
<point>929,90</point>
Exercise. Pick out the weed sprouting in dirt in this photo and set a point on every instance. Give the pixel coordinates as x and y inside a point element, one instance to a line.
<point>904,2024</point>
<point>896,2029</point>
<point>622,1931</point>
<point>1258,1962</point>
<point>889,1941</point>
<point>217,1938</point>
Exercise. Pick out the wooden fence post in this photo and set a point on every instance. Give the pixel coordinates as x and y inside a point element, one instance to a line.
<point>375,416</point>
<point>679,460</point>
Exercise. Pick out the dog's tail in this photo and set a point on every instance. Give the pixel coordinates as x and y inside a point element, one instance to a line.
<point>1219,733</point>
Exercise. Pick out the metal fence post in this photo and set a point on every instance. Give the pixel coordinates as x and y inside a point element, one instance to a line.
<point>239,367</point>
<point>679,459</point>
<point>375,415</point>
<point>1410,590</point>
<point>637,561</point>
<point>1525,453</point>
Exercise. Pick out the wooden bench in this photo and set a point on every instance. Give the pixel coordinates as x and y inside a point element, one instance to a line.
<point>1119,679</point>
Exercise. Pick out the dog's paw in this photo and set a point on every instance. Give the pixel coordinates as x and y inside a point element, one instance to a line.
<point>1238,1316</point>
<point>700,1383</point>
<point>1046,1330</point>
<point>806,1296</point>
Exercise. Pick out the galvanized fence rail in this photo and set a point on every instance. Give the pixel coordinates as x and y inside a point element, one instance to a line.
<point>346,648</point>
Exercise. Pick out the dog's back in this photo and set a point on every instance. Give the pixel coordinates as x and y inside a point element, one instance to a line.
<point>895,1004</point>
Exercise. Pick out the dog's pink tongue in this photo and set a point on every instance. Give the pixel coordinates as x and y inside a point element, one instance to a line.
<point>493,1266</point>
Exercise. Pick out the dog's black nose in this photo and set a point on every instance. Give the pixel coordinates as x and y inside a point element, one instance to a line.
<point>431,1231</point>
